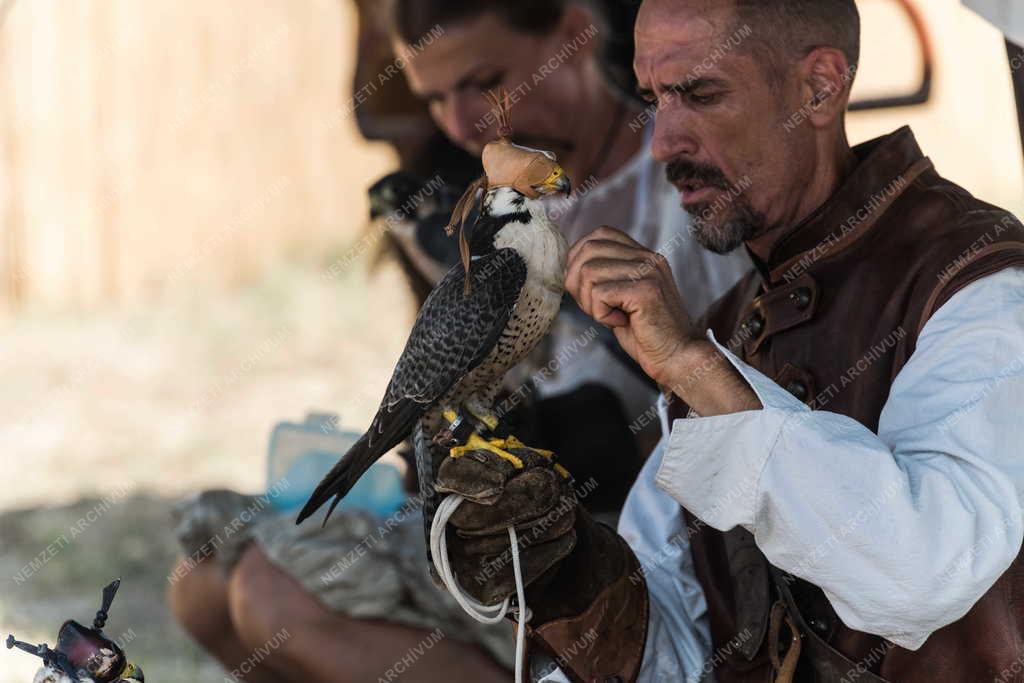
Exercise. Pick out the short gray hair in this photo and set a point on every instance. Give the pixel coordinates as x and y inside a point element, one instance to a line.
<point>792,28</point>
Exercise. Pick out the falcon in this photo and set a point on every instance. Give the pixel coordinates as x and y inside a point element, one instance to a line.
<point>83,655</point>
<point>483,317</point>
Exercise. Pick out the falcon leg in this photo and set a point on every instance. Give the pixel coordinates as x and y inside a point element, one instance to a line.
<point>464,435</point>
<point>482,413</point>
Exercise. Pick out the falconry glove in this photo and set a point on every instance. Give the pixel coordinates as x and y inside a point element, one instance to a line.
<point>536,500</point>
<point>584,587</point>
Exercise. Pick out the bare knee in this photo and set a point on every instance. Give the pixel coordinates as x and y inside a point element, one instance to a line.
<point>279,621</point>
<point>289,630</point>
<point>258,597</point>
<point>197,597</point>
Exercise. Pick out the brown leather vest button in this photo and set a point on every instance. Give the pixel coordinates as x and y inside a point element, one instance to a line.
<point>754,325</point>
<point>801,298</point>
<point>798,389</point>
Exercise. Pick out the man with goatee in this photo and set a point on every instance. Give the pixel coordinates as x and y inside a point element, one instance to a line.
<point>837,494</point>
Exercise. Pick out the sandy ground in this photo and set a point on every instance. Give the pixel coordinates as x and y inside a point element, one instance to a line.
<point>107,420</point>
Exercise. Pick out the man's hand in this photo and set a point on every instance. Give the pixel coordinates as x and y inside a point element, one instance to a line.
<point>630,289</point>
<point>580,577</point>
<point>536,500</point>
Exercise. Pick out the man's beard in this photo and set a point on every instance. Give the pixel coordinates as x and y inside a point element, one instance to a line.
<point>722,225</point>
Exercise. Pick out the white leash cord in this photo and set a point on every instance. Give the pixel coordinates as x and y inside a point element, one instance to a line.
<point>485,614</point>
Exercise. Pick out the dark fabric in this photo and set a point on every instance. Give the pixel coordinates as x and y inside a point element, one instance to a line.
<point>588,429</point>
<point>833,316</point>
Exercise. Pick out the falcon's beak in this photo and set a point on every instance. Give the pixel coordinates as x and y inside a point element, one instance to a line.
<point>556,182</point>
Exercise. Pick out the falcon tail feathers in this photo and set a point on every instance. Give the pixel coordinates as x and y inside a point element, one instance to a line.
<point>361,456</point>
<point>342,477</point>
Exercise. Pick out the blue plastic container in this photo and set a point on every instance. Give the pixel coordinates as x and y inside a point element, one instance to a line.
<point>301,454</point>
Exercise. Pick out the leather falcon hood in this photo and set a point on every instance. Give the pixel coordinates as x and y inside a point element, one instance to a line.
<point>506,164</point>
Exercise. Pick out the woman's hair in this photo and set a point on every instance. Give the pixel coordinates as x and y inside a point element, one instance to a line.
<point>413,19</point>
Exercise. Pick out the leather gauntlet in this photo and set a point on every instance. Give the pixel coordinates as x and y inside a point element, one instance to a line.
<point>584,587</point>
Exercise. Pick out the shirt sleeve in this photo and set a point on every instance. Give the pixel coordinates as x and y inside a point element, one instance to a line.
<point>905,529</point>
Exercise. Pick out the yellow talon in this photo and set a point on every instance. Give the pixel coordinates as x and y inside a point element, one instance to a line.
<point>513,442</point>
<point>499,446</point>
<point>450,415</point>
<point>478,443</point>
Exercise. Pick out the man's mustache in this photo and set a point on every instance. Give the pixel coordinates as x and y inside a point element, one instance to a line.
<point>683,170</point>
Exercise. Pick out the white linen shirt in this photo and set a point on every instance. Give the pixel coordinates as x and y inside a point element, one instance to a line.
<point>904,530</point>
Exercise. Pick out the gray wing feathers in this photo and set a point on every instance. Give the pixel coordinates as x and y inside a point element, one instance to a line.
<point>453,332</point>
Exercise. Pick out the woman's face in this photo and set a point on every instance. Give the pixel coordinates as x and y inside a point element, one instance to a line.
<point>543,74</point>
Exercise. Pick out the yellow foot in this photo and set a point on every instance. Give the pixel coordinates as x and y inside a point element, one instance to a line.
<point>478,443</point>
<point>502,448</point>
<point>513,442</point>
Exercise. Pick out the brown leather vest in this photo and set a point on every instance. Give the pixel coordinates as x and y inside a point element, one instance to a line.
<point>832,317</point>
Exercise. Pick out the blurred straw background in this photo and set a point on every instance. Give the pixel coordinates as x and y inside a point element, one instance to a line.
<point>176,179</point>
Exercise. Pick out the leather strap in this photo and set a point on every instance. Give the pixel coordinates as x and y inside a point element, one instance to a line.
<point>829,665</point>
<point>786,668</point>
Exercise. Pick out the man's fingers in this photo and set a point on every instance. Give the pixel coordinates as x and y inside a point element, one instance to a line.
<point>491,578</point>
<point>607,232</point>
<point>613,301</point>
<point>642,261</point>
<point>614,318</point>
<point>598,270</point>
<point>524,497</point>
<point>557,522</point>
<point>596,248</point>
<point>477,476</point>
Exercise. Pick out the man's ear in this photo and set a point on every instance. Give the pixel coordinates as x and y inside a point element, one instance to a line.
<point>826,85</point>
<point>579,28</point>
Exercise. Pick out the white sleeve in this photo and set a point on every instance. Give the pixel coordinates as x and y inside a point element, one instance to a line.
<point>904,530</point>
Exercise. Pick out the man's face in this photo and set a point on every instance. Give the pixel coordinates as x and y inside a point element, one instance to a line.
<point>484,53</point>
<point>719,125</point>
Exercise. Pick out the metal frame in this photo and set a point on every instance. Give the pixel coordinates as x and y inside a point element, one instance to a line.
<point>924,90</point>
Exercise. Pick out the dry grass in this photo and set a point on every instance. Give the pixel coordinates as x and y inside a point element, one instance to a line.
<point>127,412</point>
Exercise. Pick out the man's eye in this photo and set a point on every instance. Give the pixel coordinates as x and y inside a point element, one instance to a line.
<point>704,99</point>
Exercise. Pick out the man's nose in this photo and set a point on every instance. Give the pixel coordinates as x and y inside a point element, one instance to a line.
<point>466,120</point>
<point>673,136</point>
